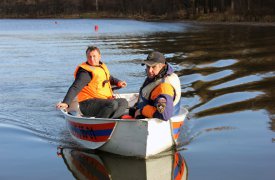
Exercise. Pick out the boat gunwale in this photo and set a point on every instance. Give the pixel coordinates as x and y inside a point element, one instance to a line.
<point>109,119</point>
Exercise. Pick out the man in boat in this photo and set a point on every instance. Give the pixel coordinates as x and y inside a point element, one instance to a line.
<point>159,96</point>
<point>92,86</point>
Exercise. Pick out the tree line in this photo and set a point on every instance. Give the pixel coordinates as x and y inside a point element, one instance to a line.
<point>248,9</point>
<point>172,9</point>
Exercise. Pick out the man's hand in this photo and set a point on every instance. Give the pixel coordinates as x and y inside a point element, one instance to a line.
<point>137,113</point>
<point>62,105</point>
<point>121,84</point>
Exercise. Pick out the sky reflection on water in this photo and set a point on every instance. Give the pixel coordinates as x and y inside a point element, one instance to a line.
<point>227,75</point>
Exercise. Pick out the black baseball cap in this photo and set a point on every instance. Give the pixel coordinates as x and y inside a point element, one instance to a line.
<point>154,58</point>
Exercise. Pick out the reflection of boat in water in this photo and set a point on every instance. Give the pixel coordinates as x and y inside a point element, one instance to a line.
<point>135,137</point>
<point>85,165</point>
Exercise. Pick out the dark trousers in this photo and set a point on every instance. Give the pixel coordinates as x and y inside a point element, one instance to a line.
<point>104,108</point>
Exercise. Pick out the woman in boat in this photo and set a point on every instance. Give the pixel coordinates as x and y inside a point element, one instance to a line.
<point>92,86</point>
<point>159,96</point>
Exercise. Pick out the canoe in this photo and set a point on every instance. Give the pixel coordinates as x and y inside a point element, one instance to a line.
<point>105,166</point>
<point>128,137</point>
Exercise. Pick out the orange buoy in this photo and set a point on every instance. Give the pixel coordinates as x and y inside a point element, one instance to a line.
<point>96,28</point>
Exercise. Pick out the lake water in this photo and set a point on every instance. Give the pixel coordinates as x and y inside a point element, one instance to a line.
<point>228,83</point>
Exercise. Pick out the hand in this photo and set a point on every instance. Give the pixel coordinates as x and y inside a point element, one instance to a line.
<point>121,84</point>
<point>62,105</point>
<point>137,113</point>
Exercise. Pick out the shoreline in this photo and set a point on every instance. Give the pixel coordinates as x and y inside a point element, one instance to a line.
<point>151,18</point>
<point>245,23</point>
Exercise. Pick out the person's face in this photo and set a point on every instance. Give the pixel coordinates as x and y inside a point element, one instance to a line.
<point>152,71</point>
<point>93,57</point>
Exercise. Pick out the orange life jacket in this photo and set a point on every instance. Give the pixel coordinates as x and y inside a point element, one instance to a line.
<point>99,86</point>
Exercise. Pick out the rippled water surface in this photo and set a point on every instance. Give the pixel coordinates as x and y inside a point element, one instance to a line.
<point>228,83</point>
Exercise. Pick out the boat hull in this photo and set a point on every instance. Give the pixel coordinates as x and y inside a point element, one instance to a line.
<point>136,137</point>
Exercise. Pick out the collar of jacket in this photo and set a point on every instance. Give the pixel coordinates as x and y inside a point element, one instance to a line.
<point>167,70</point>
<point>100,63</point>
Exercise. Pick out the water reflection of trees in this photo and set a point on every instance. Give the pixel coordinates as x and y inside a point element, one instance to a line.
<point>254,58</point>
<point>251,47</point>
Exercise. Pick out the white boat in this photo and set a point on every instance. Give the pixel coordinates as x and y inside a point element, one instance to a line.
<point>128,137</point>
<point>104,166</point>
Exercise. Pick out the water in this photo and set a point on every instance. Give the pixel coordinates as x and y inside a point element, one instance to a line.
<point>227,76</point>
